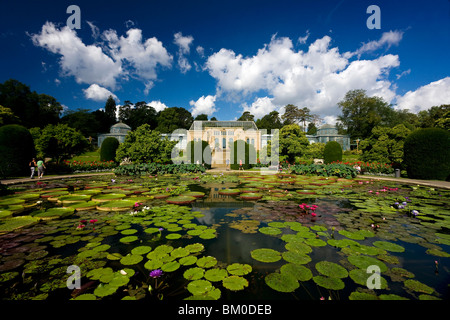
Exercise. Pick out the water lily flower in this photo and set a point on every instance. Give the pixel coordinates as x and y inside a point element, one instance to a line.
<point>83,221</point>
<point>93,221</point>
<point>156,273</point>
<point>123,272</point>
<point>415,213</point>
<point>404,203</point>
<point>313,215</point>
<point>80,226</point>
<point>161,229</point>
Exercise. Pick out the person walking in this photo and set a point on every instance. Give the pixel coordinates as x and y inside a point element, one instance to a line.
<point>41,168</point>
<point>32,165</point>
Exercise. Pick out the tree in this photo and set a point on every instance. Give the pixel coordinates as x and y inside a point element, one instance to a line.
<point>83,121</point>
<point>174,118</point>
<point>7,116</point>
<point>204,157</point>
<point>312,129</point>
<point>315,150</point>
<point>444,122</point>
<point>246,116</point>
<point>16,150</point>
<point>332,152</point>
<point>385,145</point>
<point>270,121</point>
<point>30,108</point>
<point>144,145</point>
<point>141,114</point>
<point>242,151</point>
<point>429,118</point>
<point>201,117</point>
<point>293,142</point>
<point>360,113</point>
<point>108,149</point>
<point>103,121</point>
<point>110,110</point>
<point>58,142</point>
<point>427,154</point>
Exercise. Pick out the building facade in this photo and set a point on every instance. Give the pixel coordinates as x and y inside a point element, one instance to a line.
<point>118,131</point>
<point>328,133</point>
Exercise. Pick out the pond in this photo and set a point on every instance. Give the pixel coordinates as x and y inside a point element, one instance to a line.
<point>226,237</point>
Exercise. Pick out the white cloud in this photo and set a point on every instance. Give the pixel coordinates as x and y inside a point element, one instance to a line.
<point>143,57</point>
<point>97,93</point>
<point>87,63</point>
<point>117,58</point>
<point>157,105</point>
<point>204,105</point>
<point>317,79</point>
<point>261,107</point>
<point>183,44</point>
<point>387,39</point>
<point>201,51</point>
<point>433,94</point>
<point>302,40</point>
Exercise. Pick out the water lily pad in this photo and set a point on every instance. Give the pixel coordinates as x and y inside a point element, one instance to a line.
<point>180,200</point>
<point>206,262</point>
<point>199,287</point>
<point>235,283</point>
<point>14,223</point>
<point>251,196</point>
<point>351,235</point>
<point>298,247</point>
<point>238,269</point>
<point>141,250</point>
<point>315,242</point>
<point>187,261</point>
<point>128,232</point>
<point>265,255</point>
<point>363,262</point>
<point>295,257</point>
<point>128,239</point>
<point>195,247</point>
<point>194,273</point>
<point>173,236</point>
<point>85,205</point>
<point>418,286</point>
<point>86,296</point>
<point>55,213</point>
<point>179,252</point>
<point>68,199</point>
<point>282,282</point>
<point>331,269</point>
<point>116,205</point>
<point>216,274</point>
<point>229,192</point>
<point>153,264</point>
<point>329,283</point>
<point>131,259</point>
<point>104,290</point>
<point>360,276</point>
<point>108,197</point>
<point>299,272</point>
<point>170,266</point>
<point>362,296</point>
<point>270,231</point>
<point>196,194</point>
<point>389,246</point>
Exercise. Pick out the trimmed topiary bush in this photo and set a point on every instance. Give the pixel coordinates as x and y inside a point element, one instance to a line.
<point>205,156</point>
<point>426,154</point>
<point>248,158</point>
<point>332,152</point>
<point>16,150</point>
<point>108,149</point>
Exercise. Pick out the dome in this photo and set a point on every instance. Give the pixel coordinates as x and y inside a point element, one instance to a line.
<point>120,127</point>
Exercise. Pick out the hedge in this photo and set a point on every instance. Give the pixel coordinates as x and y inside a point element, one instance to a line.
<point>325,170</point>
<point>332,152</point>
<point>157,168</point>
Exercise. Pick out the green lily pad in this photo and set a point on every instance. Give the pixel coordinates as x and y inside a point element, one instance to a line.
<point>194,273</point>
<point>299,272</point>
<point>351,235</point>
<point>196,194</point>
<point>108,197</point>
<point>298,247</point>
<point>86,296</point>
<point>104,290</point>
<point>85,205</point>
<point>295,257</point>
<point>329,283</point>
<point>206,262</point>
<point>216,274</point>
<point>116,205</point>
<point>153,264</point>
<point>180,200</point>
<point>128,239</point>
<point>438,253</point>
<point>131,259</point>
<point>74,198</point>
<point>141,250</point>
<point>418,286</point>
<point>234,283</point>
<point>363,262</point>
<point>14,223</point>
<point>187,261</point>
<point>270,230</point>
<point>5,213</point>
<point>360,276</point>
<point>173,236</point>
<point>128,232</point>
<point>389,246</point>
<point>265,255</point>
<point>195,247</point>
<point>229,192</point>
<point>331,269</point>
<point>282,282</point>
<point>238,269</point>
<point>199,287</point>
<point>170,266</point>
<point>251,196</point>
<point>315,242</point>
<point>362,296</point>
<point>55,213</point>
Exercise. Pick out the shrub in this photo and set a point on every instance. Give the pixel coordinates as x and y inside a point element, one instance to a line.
<point>205,156</point>
<point>108,149</point>
<point>332,152</point>
<point>248,158</point>
<point>325,170</point>
<point>16,150</point>
<point>427,154</point>
<point>157,168</point>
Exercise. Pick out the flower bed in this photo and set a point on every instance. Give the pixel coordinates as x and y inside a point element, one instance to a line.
<point>371,167</point>
<point>86,166</point>
<point>328,170</point>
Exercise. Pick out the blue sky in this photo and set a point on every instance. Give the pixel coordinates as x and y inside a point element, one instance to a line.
<point>224,57</point>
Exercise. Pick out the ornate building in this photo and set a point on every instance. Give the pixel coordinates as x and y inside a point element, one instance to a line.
<point>118,131</point>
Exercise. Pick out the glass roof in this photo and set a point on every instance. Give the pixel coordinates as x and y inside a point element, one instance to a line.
<point>246,125</point>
